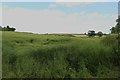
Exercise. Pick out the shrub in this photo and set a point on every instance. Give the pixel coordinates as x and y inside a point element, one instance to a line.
<point>100,34</point>
<point>91,33</point>
<point>110,40</point>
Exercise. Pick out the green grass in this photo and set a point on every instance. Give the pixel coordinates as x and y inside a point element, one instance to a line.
<point>27,55</point>
<point>0,54</point>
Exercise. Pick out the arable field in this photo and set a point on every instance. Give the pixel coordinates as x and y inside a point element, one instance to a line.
<point>27,55</point>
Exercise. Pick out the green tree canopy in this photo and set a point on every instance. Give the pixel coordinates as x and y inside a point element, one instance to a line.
<point>100,34</point>
<point>116,28</point>
<point>7,28</point>
<point>91,33</point>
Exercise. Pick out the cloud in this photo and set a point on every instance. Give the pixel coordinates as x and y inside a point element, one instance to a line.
<point>27,0</point>
<point>86,0</point>
<point>53,5</point>
<point>55,21</point>
<point>59,0</point>
<point>73,4</point>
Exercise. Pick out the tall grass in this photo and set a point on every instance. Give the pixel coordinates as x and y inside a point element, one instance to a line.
<point>0,54</point>
<point>51,56</point>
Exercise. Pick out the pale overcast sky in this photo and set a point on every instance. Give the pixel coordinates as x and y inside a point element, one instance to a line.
<point>60,17</point>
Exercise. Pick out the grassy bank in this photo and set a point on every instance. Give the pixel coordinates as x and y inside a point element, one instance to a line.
<point>29,55</point>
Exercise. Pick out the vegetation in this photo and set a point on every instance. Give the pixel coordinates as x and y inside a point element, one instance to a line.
<point>28,55</point>
<point>100,34</point>
<point>7,28</point>
<point>116,29</point>
<point>91,33</point>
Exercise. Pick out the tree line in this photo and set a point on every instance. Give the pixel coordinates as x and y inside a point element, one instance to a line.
<point>7,28</point>
<point>91,33</point>
<point>114,30</point>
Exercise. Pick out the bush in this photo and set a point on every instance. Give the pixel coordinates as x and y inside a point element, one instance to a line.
<point>110,40</point>
<point>91,33</point>
<point>100,34</point>
<point>7,29</point>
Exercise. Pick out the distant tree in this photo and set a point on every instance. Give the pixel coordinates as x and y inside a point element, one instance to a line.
<point>105,34</point>
<point>100,34</point>
<point>0,28</point>
<point>4,29</point>
<point>12,29</point>
<point>7,28</point>
<point>91,33</point>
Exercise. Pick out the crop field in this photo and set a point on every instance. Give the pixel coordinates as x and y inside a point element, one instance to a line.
<point>27,55</point>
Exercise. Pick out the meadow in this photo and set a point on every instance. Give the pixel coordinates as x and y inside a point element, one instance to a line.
<point>27,55</point>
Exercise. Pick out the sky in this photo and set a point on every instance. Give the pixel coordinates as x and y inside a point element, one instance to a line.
<point>59,0</point>
<point>59,16</point>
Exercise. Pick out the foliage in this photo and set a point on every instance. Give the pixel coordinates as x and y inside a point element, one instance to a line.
<point>91,33</point>
<point>49,56</point>
<point>110,39</point>
<point>100,34</point>
<point>116,28</point>
<point>7,29</point>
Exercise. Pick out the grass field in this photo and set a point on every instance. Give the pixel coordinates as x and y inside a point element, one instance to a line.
<point>27,55</point>
<point>0,54</point>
